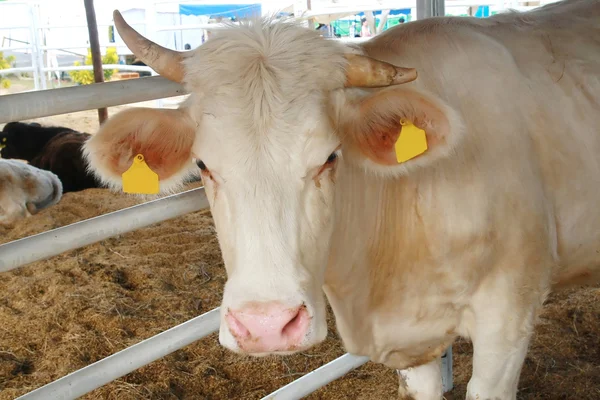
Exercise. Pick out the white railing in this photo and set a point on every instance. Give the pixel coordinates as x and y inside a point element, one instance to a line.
<point>121,67</point>
<point>100,373</point>
<point>21,106</point>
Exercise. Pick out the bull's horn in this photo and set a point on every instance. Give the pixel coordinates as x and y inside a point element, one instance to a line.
<point>364,71</point>
<point>165,61</point>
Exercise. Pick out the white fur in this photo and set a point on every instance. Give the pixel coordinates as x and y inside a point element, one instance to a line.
<point>22,184</point>
<point>259,106</point>
<point>423,382</point>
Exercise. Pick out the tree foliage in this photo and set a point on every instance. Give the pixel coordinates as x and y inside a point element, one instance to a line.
<point>87,77</point>
<point>5,63</point>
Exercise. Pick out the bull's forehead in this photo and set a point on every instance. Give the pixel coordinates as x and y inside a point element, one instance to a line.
<point>282,59</point>
<point>232,147</point>
<point>259,93</point>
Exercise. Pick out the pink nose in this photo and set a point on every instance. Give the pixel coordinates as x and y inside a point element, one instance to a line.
<point>268,327</point>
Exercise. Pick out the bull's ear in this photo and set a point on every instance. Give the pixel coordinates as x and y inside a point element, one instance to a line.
<point>371,123</point>
<point>164,137</point>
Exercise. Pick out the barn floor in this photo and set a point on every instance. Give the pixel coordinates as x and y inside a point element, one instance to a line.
<point>62,314</point>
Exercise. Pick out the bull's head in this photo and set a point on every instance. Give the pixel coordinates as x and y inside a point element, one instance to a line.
<point>272,107</point>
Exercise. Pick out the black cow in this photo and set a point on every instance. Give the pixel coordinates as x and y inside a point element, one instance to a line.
<point>54,148</point>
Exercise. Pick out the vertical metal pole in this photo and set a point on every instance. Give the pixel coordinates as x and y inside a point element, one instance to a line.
<point>439,8</point>
<point>40,53</point>
<point>299,10</point>
<point>34,63</point>
<point>37,60</point>
<point>447,383</point>
<point>311,21</point>
<point>430,8</point>
<point>95,48</point>
<point>150,30</point>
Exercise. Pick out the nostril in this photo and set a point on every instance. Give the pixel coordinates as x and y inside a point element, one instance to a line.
<point>236,327</point>
<point>297,325</point>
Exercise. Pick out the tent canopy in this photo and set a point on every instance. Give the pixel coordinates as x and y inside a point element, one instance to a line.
<point>221,10</point>
<point>402,11</point>
<point>328,18</point>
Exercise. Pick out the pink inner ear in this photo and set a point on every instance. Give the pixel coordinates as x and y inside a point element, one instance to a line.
<point>163,137</point>
<point>376,127</point>
<point>380,144</point>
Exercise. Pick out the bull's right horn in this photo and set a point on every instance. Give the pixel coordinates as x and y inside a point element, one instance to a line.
<point>166,62</point>
<point>363,71</point>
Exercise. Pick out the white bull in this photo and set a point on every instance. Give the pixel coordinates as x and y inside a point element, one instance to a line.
<point>25,190</point>
<point>300,140</point>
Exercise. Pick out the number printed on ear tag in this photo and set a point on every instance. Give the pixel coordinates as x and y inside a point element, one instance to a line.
<point>411,142</point>
<point>139,178</point>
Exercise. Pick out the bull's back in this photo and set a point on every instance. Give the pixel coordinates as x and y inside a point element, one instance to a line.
<point>531,83</point>
<point>564,81</point>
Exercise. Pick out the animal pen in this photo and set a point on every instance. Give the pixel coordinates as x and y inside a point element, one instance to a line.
<point>23,106</point>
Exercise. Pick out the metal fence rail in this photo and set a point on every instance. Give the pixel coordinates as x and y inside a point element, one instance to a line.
<point>318,378</point>
<point>121,67</point>
<point>48,244</point>
<point>125,361</point>
<point>43,103</point>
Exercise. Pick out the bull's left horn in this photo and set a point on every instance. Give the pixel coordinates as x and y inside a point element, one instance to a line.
<point>363,71</point>
<point>165,61</point>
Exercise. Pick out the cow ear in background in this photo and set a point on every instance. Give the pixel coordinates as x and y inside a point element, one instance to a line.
<point>163,137</point>
<point>393,130</point>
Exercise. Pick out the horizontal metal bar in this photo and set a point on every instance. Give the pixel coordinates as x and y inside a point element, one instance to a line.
<point>123,67</point>
<point>318,378</point>
<point>103,46</point>
<point>14,27</point>
<point>21,3</point>
<point>16,48</point>
<point>207,27</point>
<point>42,103</point>
<point>71,26</point>
<point>15,70</point>
<point>51,243</point>
<point>119,364</point>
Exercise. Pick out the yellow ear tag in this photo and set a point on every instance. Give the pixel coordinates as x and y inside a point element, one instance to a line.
<point>411,142</point>
<point>139,178</point>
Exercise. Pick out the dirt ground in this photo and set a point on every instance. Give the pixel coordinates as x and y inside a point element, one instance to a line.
<point>62,314</point>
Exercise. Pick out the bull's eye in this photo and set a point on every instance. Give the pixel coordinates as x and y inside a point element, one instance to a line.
<point>332,157</point>
<point>201,165</point>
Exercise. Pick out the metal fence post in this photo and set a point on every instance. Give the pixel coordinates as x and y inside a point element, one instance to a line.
<point>34,49</point>
<point>36,54</point>
<point>430,8</point>
<point>447,383</point>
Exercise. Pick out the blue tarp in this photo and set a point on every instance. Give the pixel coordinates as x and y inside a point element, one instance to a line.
<point>482,12</point>
<point>403,11</point>
<point>221,10</point>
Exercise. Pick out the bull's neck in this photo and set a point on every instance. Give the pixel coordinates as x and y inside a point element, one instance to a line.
<point>377,226</point>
